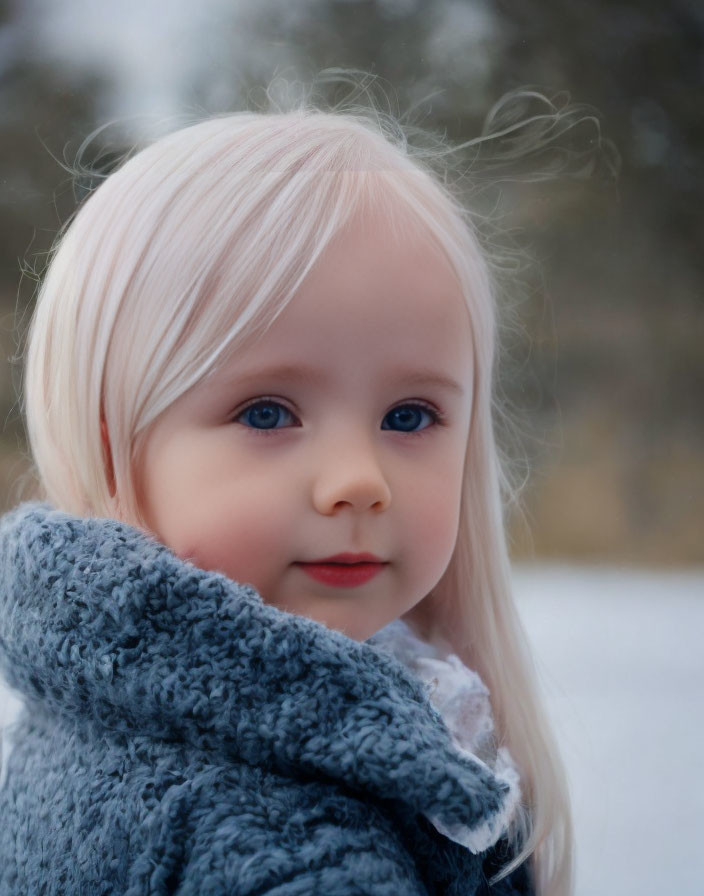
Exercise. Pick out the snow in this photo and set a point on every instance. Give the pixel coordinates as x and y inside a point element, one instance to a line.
<point>623,675</point>
<point>620,660</point>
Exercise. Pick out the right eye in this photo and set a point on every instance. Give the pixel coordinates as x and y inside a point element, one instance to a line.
<point>266,415</point>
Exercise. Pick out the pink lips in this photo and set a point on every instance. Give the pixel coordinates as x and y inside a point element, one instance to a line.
<point>344,570</point>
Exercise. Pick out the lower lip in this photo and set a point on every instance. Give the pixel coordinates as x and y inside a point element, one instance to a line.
<point>341,574</point>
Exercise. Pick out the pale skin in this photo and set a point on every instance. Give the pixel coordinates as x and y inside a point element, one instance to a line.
<point>342,430</point>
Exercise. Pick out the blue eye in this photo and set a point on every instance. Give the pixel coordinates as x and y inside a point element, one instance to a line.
<point>266,415</point>
<point>409,418</point>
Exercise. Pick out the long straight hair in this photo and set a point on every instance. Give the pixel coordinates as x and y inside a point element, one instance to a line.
<point>192,248</point>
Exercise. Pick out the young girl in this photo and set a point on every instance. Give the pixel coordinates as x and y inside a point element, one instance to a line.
<point>263,628</point>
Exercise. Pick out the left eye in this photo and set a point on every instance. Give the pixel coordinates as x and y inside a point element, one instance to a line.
<point>409,418</point>
<point>266,415</point>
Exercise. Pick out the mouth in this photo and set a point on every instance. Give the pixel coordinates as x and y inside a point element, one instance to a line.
<point>344,570</point>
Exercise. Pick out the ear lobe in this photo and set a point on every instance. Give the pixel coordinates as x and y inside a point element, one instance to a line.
<point>107,457</point>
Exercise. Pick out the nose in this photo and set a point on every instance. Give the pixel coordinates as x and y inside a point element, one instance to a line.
<point>350,478</point>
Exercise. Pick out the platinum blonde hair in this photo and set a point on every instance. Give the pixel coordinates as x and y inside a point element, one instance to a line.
<point>193,247</point>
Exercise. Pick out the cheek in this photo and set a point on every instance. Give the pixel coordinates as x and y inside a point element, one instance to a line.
<point>219,522</point>
<point>244,541</point>
<point>435,526</point>
<point>441,523</point>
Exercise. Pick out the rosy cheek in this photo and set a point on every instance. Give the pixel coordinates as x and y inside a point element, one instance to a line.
<point>242,550</point>
<point>189,553</point>
<point>440,523</point>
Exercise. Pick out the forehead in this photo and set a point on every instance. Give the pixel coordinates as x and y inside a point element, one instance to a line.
<point>378,287</point>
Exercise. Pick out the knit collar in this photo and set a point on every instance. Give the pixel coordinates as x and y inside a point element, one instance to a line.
<point>104,627</point>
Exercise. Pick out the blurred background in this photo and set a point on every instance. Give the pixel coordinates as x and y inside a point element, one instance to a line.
<point>604,361</point>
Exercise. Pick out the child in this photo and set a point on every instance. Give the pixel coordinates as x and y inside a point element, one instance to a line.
<point>262,354</point>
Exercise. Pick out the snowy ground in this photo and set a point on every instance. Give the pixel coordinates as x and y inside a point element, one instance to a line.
<point>623,671</point>
<point>621,660</point>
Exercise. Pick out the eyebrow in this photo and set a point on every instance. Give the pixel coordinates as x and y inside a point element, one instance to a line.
<point>414,376</point>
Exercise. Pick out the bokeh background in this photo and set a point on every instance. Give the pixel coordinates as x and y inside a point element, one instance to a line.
<point>606,359</point>
<point>604,344</point>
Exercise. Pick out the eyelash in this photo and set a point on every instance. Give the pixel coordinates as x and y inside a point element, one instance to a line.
<point>436,416</point>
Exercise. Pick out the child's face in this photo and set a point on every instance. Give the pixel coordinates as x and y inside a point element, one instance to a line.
<point>321,439</point>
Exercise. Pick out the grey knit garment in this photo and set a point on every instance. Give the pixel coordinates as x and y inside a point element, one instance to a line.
<point>462,699</point>
<point>180,736</point>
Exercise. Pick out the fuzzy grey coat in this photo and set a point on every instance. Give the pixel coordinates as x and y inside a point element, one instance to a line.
<point>180,736</point>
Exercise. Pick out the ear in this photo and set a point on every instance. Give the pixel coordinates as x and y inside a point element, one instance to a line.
<point>107,456</point>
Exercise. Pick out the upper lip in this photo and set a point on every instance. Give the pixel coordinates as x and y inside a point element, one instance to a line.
<point>348,559</point>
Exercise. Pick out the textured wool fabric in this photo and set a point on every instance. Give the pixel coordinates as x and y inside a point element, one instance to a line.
<point>180,736</point>
<point>462,699</point>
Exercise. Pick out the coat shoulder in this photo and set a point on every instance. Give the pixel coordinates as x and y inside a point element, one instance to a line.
<point>246,831</point>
